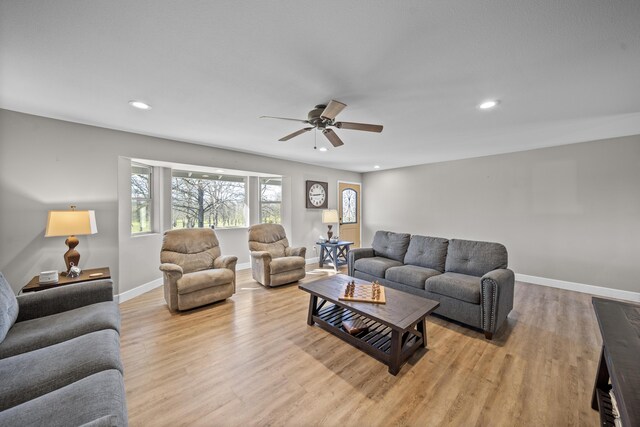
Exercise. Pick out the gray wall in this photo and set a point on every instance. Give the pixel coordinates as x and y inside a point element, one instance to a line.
<point>48,164</point>
<point>568,213</point>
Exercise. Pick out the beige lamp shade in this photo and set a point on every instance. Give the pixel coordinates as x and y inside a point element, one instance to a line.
<point>71,223</point>
<point>329,216</point>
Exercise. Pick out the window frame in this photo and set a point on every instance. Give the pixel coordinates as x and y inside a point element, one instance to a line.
<point>150,200</point>
<point>342,205</point>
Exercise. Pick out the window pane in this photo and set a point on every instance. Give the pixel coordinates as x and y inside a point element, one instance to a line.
<point>140,182</point>
<point>201,200</point>
<point>270,200</point>
<point>349,206</point>
<point>140,216</point>
<point>271,189</point>
<point>270,213</point>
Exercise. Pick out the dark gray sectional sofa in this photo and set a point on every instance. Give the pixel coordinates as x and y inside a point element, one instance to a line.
<point>470,279</point>
<point>60,357</point>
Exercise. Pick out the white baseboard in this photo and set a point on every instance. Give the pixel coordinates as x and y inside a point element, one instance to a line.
<point>139,290</point>
<point>580,287</point>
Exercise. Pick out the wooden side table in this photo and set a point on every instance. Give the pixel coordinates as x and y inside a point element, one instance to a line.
<point>334,253</point>
<point>87,275</point>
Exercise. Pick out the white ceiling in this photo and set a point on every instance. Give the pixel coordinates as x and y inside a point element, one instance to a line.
<point>566,71</point>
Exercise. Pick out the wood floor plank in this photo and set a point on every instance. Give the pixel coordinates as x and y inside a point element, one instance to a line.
<point>253,360</point>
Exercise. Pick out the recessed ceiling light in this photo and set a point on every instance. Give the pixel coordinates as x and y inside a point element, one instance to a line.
<point>488,104</point>
<point>376,167</point>
<point>323,149</point>
<point>140,105</point>
<point>220,171</point>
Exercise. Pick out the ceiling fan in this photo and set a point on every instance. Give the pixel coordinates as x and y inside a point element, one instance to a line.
<point>322,117</point>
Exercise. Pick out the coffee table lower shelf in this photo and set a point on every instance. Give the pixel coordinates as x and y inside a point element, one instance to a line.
<point>390,346</point>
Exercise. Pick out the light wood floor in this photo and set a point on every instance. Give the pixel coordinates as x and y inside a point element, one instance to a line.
<point>252,360</point>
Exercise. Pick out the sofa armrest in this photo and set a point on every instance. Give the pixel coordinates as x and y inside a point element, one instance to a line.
<point>301,251</point>
<point>497,299</point>
<point>356,254</point>
<point>68,297</point>
<point>226,261</point>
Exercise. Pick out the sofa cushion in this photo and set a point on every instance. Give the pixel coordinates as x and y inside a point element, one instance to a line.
<point>97,400</point>
<point>459,286</point>
<point>429,252</point>
<point>8,307</point>
<point>375,266</point>
<point>410,275</point>
<point>281,265</point>
<point>391,245</point>
<point>44,331</point>
<point>475,258</point>
<point>36,373</point>
<point>199,280</point>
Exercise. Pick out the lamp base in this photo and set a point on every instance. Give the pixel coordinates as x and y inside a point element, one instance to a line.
<point>329,232</point>
<point>71,256</point>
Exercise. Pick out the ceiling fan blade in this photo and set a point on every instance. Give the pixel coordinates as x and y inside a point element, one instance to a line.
<point>293,135</point>
<point>284,118</point>
<point>333,137</point>
<point>332,109</point>
<point>359,126</point>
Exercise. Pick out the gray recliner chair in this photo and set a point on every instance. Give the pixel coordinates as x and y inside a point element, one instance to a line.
<point>195,273</point>
<point>273,261</point>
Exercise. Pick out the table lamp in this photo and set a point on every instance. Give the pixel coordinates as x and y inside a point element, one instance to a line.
<point>71,223</point>
<point>330,217</point>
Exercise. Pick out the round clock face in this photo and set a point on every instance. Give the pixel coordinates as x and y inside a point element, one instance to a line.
<point>317,195</point>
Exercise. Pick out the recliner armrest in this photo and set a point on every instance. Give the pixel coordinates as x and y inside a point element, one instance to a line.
<point>261,255</point>
<point>64,298</point>
<point>301,251</point>
<point>171,268</point>
<point>226,261</point>
<point>497,287</point>
<point>356,254</point>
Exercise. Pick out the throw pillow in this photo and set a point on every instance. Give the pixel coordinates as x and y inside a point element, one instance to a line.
<point>8,307</point>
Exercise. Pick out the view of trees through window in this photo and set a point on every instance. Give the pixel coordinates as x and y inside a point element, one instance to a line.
<point>141,198</point>
<point>205,200</point>
<point>270,200</point>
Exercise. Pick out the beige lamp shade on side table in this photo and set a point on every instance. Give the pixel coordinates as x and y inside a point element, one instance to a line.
<point>71,223</point>
<point>329,217</point>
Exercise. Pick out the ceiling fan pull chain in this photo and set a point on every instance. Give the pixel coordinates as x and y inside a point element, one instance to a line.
<point>315,139</point>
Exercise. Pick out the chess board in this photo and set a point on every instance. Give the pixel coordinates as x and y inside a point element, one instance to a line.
<point>363,293</point>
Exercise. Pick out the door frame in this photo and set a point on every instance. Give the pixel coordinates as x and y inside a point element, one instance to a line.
<point>338,203</point>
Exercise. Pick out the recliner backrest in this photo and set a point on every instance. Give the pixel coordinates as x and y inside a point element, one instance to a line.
<point>390,245</point>
<point>193,249</point>
<point>475,258</point>
<point>268,237</point>
<point>428,252</point>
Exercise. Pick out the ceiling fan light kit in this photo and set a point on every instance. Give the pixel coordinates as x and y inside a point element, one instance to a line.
<point>322,117</point>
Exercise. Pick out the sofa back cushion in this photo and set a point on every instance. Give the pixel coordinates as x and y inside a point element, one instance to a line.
<point>391,245</point>
<point>8,307</point>
<point>193,249</point>
<point>428,252</point>
<point>475,258</point>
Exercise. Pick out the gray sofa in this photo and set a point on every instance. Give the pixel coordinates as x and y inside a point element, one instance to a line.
<point>470,279</point>
<point>60,357</point>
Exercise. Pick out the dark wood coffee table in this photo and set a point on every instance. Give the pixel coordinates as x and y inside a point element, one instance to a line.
<point>397,329</point>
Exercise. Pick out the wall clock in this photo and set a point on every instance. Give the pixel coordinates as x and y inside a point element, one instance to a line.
<point>317,195</point>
